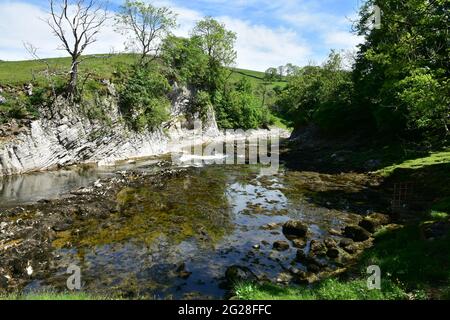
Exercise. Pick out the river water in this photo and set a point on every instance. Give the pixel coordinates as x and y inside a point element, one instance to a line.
<point>177,240</point>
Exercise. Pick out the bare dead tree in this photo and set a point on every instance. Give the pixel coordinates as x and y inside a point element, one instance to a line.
<point>76,23</point>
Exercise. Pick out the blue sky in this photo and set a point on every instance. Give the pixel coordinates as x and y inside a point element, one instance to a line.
<point>270,32</point>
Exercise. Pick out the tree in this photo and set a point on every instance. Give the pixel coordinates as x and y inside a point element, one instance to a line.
<point>84,19</point>
<point>290,69</point>
<point>270,75</point>
<point>146,27</point>
<point>281,71</point>
<point>184,60</point>
<point>218,44</point>
<point>402,69</point>
<point>217,41</point>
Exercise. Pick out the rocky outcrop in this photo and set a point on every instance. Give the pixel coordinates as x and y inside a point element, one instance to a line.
<point>63,136</point>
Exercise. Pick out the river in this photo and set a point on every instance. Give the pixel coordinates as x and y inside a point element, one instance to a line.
<point>176,240</point>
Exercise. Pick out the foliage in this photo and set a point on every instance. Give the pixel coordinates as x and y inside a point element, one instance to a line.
<point>320,95</point>
<point>218,44</point>
<point>401,71</point>
<point>146,27</point>
<point>185,60</point>
<point>237,107</point>
<point>143,98</point>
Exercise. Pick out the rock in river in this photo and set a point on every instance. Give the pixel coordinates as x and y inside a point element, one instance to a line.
<point>374,221</point>
<point>295,229</point>
<point>356,233</point>
<point>281,245</point>
<point>235,274</point>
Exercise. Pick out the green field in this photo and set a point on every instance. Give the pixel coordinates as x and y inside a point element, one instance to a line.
<point>17,73</point>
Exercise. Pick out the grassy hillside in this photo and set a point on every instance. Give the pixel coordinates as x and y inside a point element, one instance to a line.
<point>256,77</point>
<point>17,73</point>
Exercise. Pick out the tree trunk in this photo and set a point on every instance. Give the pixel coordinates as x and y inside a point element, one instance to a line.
<point>72,86</point>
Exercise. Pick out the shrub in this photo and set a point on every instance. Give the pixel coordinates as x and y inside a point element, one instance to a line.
<point>143,99</point>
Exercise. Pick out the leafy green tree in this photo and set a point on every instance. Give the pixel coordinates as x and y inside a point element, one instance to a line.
<point>320,95</point>
<point>185,61</point>
<point>218,44</point>
<point>143,98</point>
<point>238,107</point>
<point>402,69</point>
<point>146,27</point>
<point>271,75</point>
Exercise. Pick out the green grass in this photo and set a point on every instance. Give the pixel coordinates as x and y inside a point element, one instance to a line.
<point>417,163</point>
<point>330,289</point>
<point>411,268</point>
<point>255,77</point>
<point>53,296</point>
<point>15,73</point>
<point>20,72</point>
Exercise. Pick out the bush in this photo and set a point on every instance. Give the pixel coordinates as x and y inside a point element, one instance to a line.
<point>143,99</point>
<point>239,108</point>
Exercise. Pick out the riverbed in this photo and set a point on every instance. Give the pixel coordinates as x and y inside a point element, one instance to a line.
<point>170,239</point>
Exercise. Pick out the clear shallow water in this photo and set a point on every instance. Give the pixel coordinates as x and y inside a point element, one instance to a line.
<point>29,188</point>
<point>177,240</point>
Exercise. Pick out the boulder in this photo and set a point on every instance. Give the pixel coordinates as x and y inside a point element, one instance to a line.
<point>356,233</point>
<point>299,243</point>
<point>345,242</point>
<point>2,100</point>
<point>236,274</point>
<point>330,243</point>
<point>281,245</point>
<point>435,229</point>
<point>333,253</point>
<point>295,229</point>
<point>374,221</point>
<point>306,278</point>
<point>317,248</point>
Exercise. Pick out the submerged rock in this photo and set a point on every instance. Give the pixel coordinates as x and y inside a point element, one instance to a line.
<point>333,253</point>
<point>281,245</point>
<point>299,243</point>
<point>295,229</point>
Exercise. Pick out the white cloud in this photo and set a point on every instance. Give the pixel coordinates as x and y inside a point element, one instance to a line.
<point>259,47</point>
<point>22,22</point>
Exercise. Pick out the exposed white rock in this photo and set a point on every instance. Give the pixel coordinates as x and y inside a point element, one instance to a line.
<point>63,136</point>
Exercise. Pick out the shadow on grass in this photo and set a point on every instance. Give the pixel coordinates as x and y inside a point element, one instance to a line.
<point>405,256</point>
<point>429,188</point>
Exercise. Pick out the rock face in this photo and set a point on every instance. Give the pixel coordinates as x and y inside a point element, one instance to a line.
<point>64,136</point>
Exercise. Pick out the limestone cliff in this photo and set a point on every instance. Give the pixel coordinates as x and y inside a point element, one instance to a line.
<point>63,136</point>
